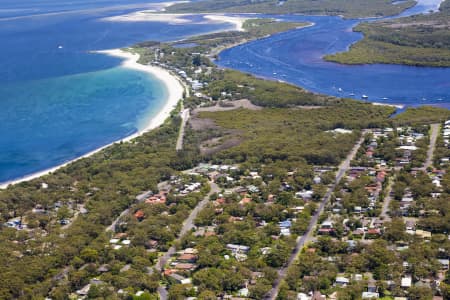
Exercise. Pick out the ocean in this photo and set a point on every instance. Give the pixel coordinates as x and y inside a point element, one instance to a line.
<point>58,101</point>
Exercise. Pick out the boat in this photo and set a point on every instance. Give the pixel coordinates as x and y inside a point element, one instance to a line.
<point>351,94</point>
<point>385,98</point>
<point>365,97</point>
<point>339,90</point>
<point>60,47</point>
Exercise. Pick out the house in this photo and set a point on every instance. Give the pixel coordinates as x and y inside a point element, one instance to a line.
<point>373,233</point>
<point>444,263</point>
<point>238,248</point>
<point>303,296</point>
<point>305,194</point>
<point>180,279</point>
<point>185,267</point>
<point>342,281</point>
<point>139,215</point>
<point>285,232</point>
<point>370,295</point>
<point>244,292</point>
<point>84,290</point>
<point>151,244</point>
<point>103,268</point>
<point>406,282</point>
<point>157,199</point>
<point>238,251</point>
<point>423,234</point>
<point>189,258</point>
<point>285,224</point>
<point>326,227</point>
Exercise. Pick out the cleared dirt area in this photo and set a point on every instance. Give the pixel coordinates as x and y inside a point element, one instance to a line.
<point>225,138</point>
<point>215,145</point>
<point>228,105</point>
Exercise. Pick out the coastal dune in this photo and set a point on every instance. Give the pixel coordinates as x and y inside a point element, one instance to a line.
<point>175,91</point>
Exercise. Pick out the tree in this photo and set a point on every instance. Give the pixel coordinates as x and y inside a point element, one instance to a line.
<point>207,295</point>
<point>395,230</point>
<point>177,292</point>
<point>278,256</point>
<point>420,293</point>
<point>209,278</point>
<point>89,254</point>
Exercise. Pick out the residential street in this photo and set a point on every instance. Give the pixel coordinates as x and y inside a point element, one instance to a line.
<point>387,200</point>
<point>184,118</point>
<point>187,226</point>
<point>430,153</point>
<point>301,241</point>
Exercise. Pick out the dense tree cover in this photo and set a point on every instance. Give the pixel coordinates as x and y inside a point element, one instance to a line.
<point>264,93</point>
<point>422,115</point>
<point>347,8</point>
<point>295,134</point>
<point>52,260</point>
<point>219,272</point>
<point>421,40</point>
<point>106,183</point>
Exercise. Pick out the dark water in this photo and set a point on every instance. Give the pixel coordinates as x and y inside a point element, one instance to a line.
<point>296,57</point>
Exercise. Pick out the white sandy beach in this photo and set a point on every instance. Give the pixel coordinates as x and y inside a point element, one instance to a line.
<point>238,22</point>
<point>179,19</point>
<point>173,84</point>
<point>175,93</point>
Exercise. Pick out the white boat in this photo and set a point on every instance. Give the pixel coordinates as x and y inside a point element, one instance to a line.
<point>385,98</point>
<point>351,94</point>
<point>60,47</point>
<point>339,90</point>
<point>365,97</point>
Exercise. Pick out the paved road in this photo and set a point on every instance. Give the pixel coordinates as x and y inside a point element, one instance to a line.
<point>430,153</point>
<point>301,241</point>
<point>387,199</point>
<point>188,224</point>
<point>184,118</point>
<point>113,225</point>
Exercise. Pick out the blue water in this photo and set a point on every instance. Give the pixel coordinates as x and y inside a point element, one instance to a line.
<point>58,104</point>
<point>296,57</point>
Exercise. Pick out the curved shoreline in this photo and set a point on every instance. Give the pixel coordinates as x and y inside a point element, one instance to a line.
<point>175,91</point>
<point>175,88</point>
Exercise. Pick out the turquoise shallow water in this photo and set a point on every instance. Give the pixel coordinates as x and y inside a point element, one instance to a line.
<point>87,110</point>
<point>58,103</point>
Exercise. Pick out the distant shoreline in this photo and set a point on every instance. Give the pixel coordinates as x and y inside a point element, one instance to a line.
<point>175,93</point>
<point>173,84</point>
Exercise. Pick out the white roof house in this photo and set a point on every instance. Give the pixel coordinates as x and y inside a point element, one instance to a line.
<point>406,282</point>
<point>370,295</point>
